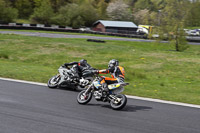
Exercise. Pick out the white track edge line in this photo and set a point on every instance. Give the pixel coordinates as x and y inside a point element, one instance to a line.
<point>128,96</point>
<point>163,101</point>
<point>23,81</point>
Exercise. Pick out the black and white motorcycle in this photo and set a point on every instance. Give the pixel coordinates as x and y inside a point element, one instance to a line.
<point>116,100</point>
<point>66,78</point>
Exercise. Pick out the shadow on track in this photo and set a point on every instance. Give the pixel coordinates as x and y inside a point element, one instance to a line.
<point>65,89</point>
<point>134,108</point>
<point>127,108</point>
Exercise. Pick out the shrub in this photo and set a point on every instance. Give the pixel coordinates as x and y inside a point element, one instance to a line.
<point>75,15</point>
<point>24,8</point>
<point>43,13</point>
<point>7,13</point>
<point>4,56</point>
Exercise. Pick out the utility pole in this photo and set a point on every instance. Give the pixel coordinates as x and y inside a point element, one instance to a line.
<point>159,15</point>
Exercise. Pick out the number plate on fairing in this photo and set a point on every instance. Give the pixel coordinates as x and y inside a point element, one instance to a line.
<point>113,86</point>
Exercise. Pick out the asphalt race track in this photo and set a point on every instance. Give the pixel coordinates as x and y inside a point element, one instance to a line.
<point>28,108</point>
<point>54,35</point>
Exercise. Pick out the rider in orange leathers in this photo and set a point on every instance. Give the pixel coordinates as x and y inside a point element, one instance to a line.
<point>117,72</point>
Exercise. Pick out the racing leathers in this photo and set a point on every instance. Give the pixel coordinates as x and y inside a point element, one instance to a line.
<point>78,67</point>
<point>117,74</point>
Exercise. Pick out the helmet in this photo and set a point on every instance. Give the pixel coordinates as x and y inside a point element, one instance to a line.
<point>83,62</point>
<point>113,63</point>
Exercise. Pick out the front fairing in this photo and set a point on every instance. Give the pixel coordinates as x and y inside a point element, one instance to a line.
<point>63,71</point>
<point>97,84</point>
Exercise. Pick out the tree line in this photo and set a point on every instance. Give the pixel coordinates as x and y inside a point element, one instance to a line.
<point>169,17</point>
<point>77,13</point>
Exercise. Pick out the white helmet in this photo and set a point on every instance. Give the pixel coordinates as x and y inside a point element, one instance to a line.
<point>113,63</point>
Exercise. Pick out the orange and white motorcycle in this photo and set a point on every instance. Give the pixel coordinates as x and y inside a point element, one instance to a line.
<point>116,100</point>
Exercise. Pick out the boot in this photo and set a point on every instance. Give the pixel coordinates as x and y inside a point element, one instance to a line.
<point>105,90</point>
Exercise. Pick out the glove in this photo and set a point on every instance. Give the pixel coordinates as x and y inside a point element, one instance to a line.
<point>95,71</point>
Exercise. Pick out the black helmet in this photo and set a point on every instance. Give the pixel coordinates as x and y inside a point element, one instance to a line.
<point>83,62</point>
<point>113,63</point>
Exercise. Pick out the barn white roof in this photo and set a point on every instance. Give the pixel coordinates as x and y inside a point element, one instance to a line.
<point>123,24</point>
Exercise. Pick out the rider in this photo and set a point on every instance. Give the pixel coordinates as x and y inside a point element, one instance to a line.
<point>79,66</point>
<point>117,72</point>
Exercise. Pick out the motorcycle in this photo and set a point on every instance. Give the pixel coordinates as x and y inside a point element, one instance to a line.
<point>67,78</point>
<point>116,100</point>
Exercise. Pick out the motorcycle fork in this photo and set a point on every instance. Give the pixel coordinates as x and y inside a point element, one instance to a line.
<point>88,89</point>
<point>58,75</point>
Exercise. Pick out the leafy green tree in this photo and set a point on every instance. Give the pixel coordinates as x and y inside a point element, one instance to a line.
<point>12,3</point>
<point>7,13</point>
<point>88,13</point>
<point>37,3</point>
<point>172,22</point>
<point>101,8</point>
<point>192,16</point>
<point>75,15</point>
<point>69,15</point>
<point>180,40</point>
<point>43,14</point>
<point>56,4</point>
<point>74,19</point>
<point>140,16</point>
<point>77,23</point>
<point>151,5</point>
<point>143,4</point>
<point>24,7</point>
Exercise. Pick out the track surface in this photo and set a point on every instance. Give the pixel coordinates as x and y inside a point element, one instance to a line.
<point>26,108</point>
<point>54,35</point>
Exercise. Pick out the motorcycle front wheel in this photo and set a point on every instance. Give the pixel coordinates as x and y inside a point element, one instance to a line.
<point>53,81</point>
<point>119,102</point>
<point>83,98</point>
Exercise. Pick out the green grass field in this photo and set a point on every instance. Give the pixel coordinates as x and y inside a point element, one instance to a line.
<point>153,70</point>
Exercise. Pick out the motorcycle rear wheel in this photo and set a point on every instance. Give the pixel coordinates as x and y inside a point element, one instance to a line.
<point>119,105</point>
<point>53,82</point>
<point>80,88</point>
<point>83,98</point>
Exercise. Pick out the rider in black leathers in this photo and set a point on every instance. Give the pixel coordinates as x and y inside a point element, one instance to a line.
<point>79,67</point>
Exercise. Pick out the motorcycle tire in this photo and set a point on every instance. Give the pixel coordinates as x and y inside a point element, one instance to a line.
<point>80,88</point>
<point>84,99</point>
<point>53,82</point>
<point>121,104</point>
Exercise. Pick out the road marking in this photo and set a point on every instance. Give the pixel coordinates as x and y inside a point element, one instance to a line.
<point>128,96</point>
<point>23,81</point>
<point>163,101</point>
